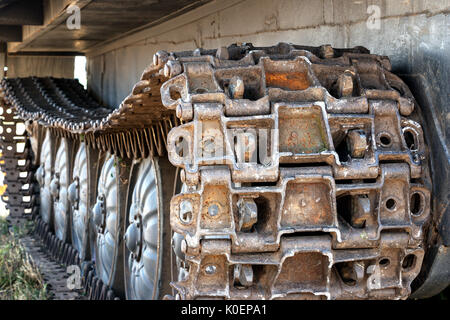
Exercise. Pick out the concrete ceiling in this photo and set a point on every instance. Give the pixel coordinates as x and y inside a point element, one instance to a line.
<point>42,27</point>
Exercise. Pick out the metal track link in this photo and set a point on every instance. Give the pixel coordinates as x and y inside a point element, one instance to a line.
<point>306,174</point>
<point>22,201</point>
<point>63,254</point>
<point>305,169</point>
<point>16,164</point>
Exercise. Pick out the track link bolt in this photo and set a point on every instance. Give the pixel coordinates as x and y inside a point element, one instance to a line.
<point>160,57</point>
<point>243,275</point>
<point>361,212</point>
<point>213,210</point>
<point>210,269</point>
<point>185,111</point>
<point>358,267</point>
<point>248,214</point>
<point>186,211</point>
<point>172,68</point>
<point>209,146</point>
<point>236,88</point>
<point>345,84</point>
<point>357,143</point>
<point>245,147</point>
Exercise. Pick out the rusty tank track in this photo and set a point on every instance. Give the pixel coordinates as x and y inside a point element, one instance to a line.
<point>53,272</point>
<point>50,254</point>
<point>55,256</point>
<point>304,169</point>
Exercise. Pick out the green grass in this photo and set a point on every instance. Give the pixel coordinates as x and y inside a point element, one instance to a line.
<point>19,277</point>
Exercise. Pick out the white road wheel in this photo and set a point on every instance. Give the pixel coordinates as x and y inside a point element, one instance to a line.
<point>143,238</point>
<point>44,177</point>
<point>78,197</point>
<point>59,189</point>
<point>105,215</point>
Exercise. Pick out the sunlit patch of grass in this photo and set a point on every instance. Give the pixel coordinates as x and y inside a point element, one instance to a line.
<point>19,277</point>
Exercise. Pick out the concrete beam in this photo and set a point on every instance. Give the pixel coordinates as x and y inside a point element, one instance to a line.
<point>157,28</point>
<point>22,13</point>
<point>54,15</point>
<point>10,33</point>
<point>46,53</point>
<point>4,3</point>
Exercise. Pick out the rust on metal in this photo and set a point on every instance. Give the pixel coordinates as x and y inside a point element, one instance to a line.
<point>305,171</point>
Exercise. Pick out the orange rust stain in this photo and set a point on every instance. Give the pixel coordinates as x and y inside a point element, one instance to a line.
<point>287,80</point>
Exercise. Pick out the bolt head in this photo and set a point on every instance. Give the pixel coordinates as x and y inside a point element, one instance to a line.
<point>248,213</point>
<point>210,269</point>
<point>209,145</point>
<point>243,275</point>
<point>172,68</point>
<point>357,143</point>
<point>345,84</point>
<point>160,57</point>
<point>213,210</point>
<point>167,71</point>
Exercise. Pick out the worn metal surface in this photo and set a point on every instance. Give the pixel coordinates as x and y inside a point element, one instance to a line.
<point>326,193</point>
<point>59,188</point>
<point>54,256</point>
<point>20,154</point>
<point>305,169</point>
<point>54,275</point>
<point>108,218</point>
<point>435,275</point>
<point>136,129</point>
<point>17,165</point>
<point>143,237</point>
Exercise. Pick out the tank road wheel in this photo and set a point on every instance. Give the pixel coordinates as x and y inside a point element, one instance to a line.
<point>59,190</point>
<point>78,197</point>
<point>112,186</point>
<point>147,238</point>
<point>44,177</point>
